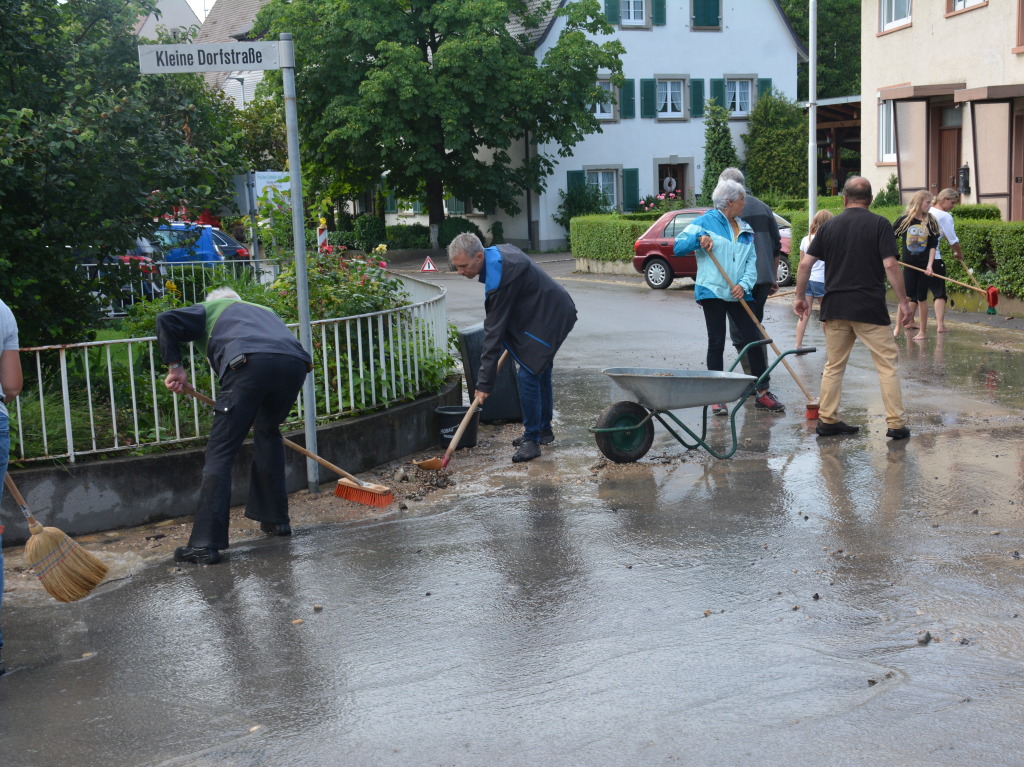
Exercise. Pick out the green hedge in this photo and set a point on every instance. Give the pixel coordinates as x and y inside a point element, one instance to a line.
<point>408,236</point>
<point>605,237</point>
<point>993,249</point>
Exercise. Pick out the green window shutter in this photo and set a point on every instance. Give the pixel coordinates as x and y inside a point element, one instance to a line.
<point>630,189</point>
<point>696,98</point>
<point>764,86</point>
<point>627,99</point>
<point>648,98</point>
<point>455,207</point>
<point>490,208</point>
<point>390,204</point>
<point>707,13</point>
<point>417,207</point>
<point>575,179</point>
<point>613,11</point>
<point>718,90</point>
<point>659,13</point>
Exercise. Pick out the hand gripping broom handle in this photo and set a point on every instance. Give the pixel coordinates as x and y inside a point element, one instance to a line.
<point>764,332</point>
<point>948,279</point>
<point>34,527</point>
<point>453,445</point>
<point>293,445</point>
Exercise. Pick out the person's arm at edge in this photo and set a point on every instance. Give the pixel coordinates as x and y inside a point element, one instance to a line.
<point>173,328</point>
<point>11,378</point>
<point>803,276</point>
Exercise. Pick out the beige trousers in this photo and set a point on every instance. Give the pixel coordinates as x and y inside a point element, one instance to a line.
<point>839,338</point>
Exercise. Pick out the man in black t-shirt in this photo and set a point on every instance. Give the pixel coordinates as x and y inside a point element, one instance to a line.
<point>859,251</point>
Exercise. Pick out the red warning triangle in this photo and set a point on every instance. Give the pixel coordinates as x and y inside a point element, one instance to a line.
<point>428,266</point>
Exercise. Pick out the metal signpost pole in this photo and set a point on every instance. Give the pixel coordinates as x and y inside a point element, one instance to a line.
<point>812,113</point>
<point>299,234</point>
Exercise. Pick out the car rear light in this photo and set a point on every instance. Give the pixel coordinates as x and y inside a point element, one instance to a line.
<point>241,253</point>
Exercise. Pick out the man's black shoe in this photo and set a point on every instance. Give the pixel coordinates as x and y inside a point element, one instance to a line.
<point>272,528</point>
<point>901,433</point>
<point>832,429</point>
<point>526,452</point>
<point>546,438</point>
<point>197,556</point>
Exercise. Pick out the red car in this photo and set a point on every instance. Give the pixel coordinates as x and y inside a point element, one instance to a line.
<point>655,259</point>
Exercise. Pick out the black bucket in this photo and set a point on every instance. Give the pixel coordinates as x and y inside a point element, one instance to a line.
<point>448,419</point>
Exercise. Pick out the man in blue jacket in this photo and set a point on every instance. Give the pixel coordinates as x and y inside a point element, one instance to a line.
<point>529,314</point>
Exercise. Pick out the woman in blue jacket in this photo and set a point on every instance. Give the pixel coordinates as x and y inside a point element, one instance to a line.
<point>731,240</point>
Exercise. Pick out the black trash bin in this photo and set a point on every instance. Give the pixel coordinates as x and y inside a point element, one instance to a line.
<point>502,405</point>
<point>448,419</point>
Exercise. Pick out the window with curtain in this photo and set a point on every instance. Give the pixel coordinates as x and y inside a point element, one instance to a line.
<point>737,96</point>
<point>605,181</point>
<point>895,13</point>
<point>634,13</point>
<point>886,133</point>
<point>670,98</point>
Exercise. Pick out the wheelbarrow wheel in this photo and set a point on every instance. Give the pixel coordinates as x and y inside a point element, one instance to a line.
<point>633,441</point>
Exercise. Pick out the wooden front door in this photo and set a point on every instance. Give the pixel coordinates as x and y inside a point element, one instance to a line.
<point>1017,170</point>
<point>675,172</point>
<point>949,157</point>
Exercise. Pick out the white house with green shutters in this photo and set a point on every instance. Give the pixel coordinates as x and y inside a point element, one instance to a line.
<point>679,53</point>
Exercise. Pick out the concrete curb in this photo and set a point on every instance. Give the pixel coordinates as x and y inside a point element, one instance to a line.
<point>123,492</point>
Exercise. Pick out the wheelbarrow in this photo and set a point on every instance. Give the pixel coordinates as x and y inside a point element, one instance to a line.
<point>625,430</point>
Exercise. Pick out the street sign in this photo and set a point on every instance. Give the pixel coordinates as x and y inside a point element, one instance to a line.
<point>208,57</point>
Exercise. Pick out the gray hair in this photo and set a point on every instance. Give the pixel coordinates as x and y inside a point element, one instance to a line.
<point>726,192</point>
<point>225,292</point>
<point>732,174</point>
<point>467,244</point>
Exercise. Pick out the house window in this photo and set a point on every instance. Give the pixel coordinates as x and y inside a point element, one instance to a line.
<point>960,5</point>
<point>605,110</point>
<point>605,181</point>
<point>895,13</point>
<point>634,14</point>
<point>886,132</point>
<point>737,96</point>
<point>670,99</point>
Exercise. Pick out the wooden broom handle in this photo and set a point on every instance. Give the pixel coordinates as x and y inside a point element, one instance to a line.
<point>947,279</point>
<point>453,445</point>
<point>764,332</point>
<point>32,523</point>
<point>293,445</point>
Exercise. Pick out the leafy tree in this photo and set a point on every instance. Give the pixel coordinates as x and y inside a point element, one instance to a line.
<point>776,144</point>
<point>435,92</point>
<point>85,141</point>
<point>719,151</point>
<point>838,46</point>
<point>263,142</point>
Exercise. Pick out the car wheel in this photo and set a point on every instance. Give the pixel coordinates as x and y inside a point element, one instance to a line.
<point>785,275</point>
<point>633,441</point>
<point>658,273</point>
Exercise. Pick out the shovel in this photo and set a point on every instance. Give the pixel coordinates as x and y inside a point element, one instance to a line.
<point>433,464</point>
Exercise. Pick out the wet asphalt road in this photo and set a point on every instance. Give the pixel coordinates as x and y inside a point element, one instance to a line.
<point>810,601</point>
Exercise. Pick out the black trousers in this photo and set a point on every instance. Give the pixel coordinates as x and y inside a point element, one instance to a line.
<point>258,395</point>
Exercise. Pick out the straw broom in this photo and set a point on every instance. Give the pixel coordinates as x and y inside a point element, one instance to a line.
<point>67,571</point>
<point>349,487</point>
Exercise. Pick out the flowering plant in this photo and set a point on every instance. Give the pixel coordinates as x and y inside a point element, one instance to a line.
<point>659,203</point>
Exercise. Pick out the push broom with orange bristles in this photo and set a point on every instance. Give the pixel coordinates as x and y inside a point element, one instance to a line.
<point>349,487</point>
<point>67,571</point>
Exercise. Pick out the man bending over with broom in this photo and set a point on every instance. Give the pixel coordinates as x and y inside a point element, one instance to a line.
<point>10,387</point>
<point>261,367</point>
<point>529,314</point>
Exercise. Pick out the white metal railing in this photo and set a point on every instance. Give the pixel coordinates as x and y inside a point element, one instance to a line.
<point>125,282</point>
<point>108,396</point>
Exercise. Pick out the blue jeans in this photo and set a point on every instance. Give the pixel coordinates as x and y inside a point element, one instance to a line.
<point>537,402</point>
<point>5,450</point>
